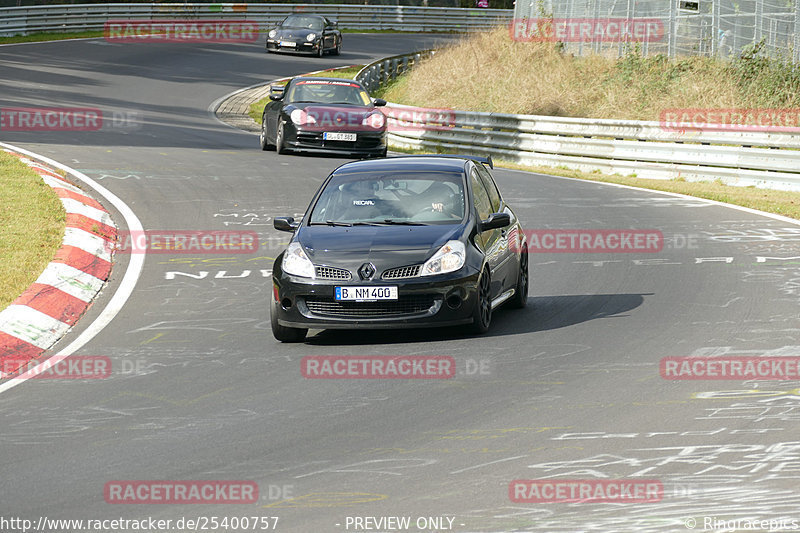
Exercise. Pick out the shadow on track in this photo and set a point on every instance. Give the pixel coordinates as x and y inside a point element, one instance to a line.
<point>542,314</point>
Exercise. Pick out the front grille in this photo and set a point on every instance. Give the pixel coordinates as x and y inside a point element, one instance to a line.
<point>324,272</point>
<point>402,272</point>
<point>362,142</point>
<point>406,305</point>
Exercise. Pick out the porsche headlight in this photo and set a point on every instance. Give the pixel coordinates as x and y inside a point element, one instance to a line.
<point>449,258</point>
<point>311,36</point>
<point>272,34</point>
<point>296,262</point>
<point>300,117</point>
<point>376,119</point>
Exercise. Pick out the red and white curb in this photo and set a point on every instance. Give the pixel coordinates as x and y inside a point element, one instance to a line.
<point>47,310</point>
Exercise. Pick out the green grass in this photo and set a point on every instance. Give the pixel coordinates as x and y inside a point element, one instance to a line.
<point>32,222</point>
<point>257,108</point>
<point>53,36</point>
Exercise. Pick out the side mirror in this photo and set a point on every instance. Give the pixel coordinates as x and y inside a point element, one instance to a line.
<point>496,220</point>
<point>379,102</point>
<point>276,92</point>
<point>285,224</point>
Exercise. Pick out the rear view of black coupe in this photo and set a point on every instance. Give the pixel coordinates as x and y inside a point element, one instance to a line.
<point>308,34</point>
<point>414,241</point>
<point>323,115</point>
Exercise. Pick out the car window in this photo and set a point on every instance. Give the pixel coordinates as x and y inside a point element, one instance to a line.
<point>302,21</point>
<point>328,92</point>
<point>418,197</point>
<point>483,205</point>
<point>491,188</point>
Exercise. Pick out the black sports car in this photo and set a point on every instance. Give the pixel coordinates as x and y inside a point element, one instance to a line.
<point>323,115</point>
<point>310,34</point>
<point>412,241</point>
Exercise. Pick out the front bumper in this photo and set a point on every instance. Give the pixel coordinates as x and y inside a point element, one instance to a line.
<point>367,142</point>
<point>301,47</point>
<point>444,300</point>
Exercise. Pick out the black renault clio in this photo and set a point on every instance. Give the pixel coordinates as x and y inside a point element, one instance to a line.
<point>414,241</point>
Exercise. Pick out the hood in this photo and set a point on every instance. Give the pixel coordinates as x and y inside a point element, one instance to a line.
<point>294,34</point>
<point>385,246</point>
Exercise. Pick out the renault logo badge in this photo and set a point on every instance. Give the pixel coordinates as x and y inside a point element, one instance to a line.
<point>366,271</point>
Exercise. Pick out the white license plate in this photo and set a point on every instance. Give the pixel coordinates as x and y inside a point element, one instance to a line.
<point>338,136</point>
<point>288,44</point>
<point>365,294</point>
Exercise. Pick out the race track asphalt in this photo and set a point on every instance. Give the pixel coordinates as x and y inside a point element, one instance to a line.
<point>569,387</point>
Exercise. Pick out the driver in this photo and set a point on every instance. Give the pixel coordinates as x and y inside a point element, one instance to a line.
<point>442,200</point>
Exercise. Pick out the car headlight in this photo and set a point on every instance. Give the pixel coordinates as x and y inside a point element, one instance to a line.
<point>272,34</point>
<point>449,258</point>
<point>311,36</point>
<point>296,262</point>
<point>374,119</point>
<point>300,117</point>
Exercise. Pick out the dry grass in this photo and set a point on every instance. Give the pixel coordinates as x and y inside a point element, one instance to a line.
<point>32,222</point>
<point>490,72</point>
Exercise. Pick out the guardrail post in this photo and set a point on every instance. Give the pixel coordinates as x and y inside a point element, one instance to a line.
<point>715,29</point>
<point>672,27</point>
<point>797,32</point>
<point>759,19</point>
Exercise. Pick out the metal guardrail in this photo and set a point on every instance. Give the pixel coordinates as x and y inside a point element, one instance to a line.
<point>386,69</point>
<point>770,160</point>
<point>88,17</point>
<point>613,146</point>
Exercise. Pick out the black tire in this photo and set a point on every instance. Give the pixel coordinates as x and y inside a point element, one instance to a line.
<point>338,50</point>
<point>321,50</point>
<point>520,298</point>
<point>280,142</point>
<point>482,315</point>
<point>283,333</point>
<point>262,137</point>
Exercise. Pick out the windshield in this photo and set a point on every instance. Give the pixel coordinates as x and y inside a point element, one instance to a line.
<point>395,198</point>
<point>302,21</point>
<point>328,92</point>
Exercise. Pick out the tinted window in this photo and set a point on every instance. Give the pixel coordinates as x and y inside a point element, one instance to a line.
<point>482,203</point>
<point>422,197</point>
<point>301,21</point>
<point>328,92</point>
<point>491,188</point>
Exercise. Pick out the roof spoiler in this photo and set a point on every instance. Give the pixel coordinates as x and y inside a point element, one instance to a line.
<point>477,158</point>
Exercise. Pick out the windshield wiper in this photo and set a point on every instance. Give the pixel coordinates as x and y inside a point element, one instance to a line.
<point>402,222</point>
<point>331,223</point>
